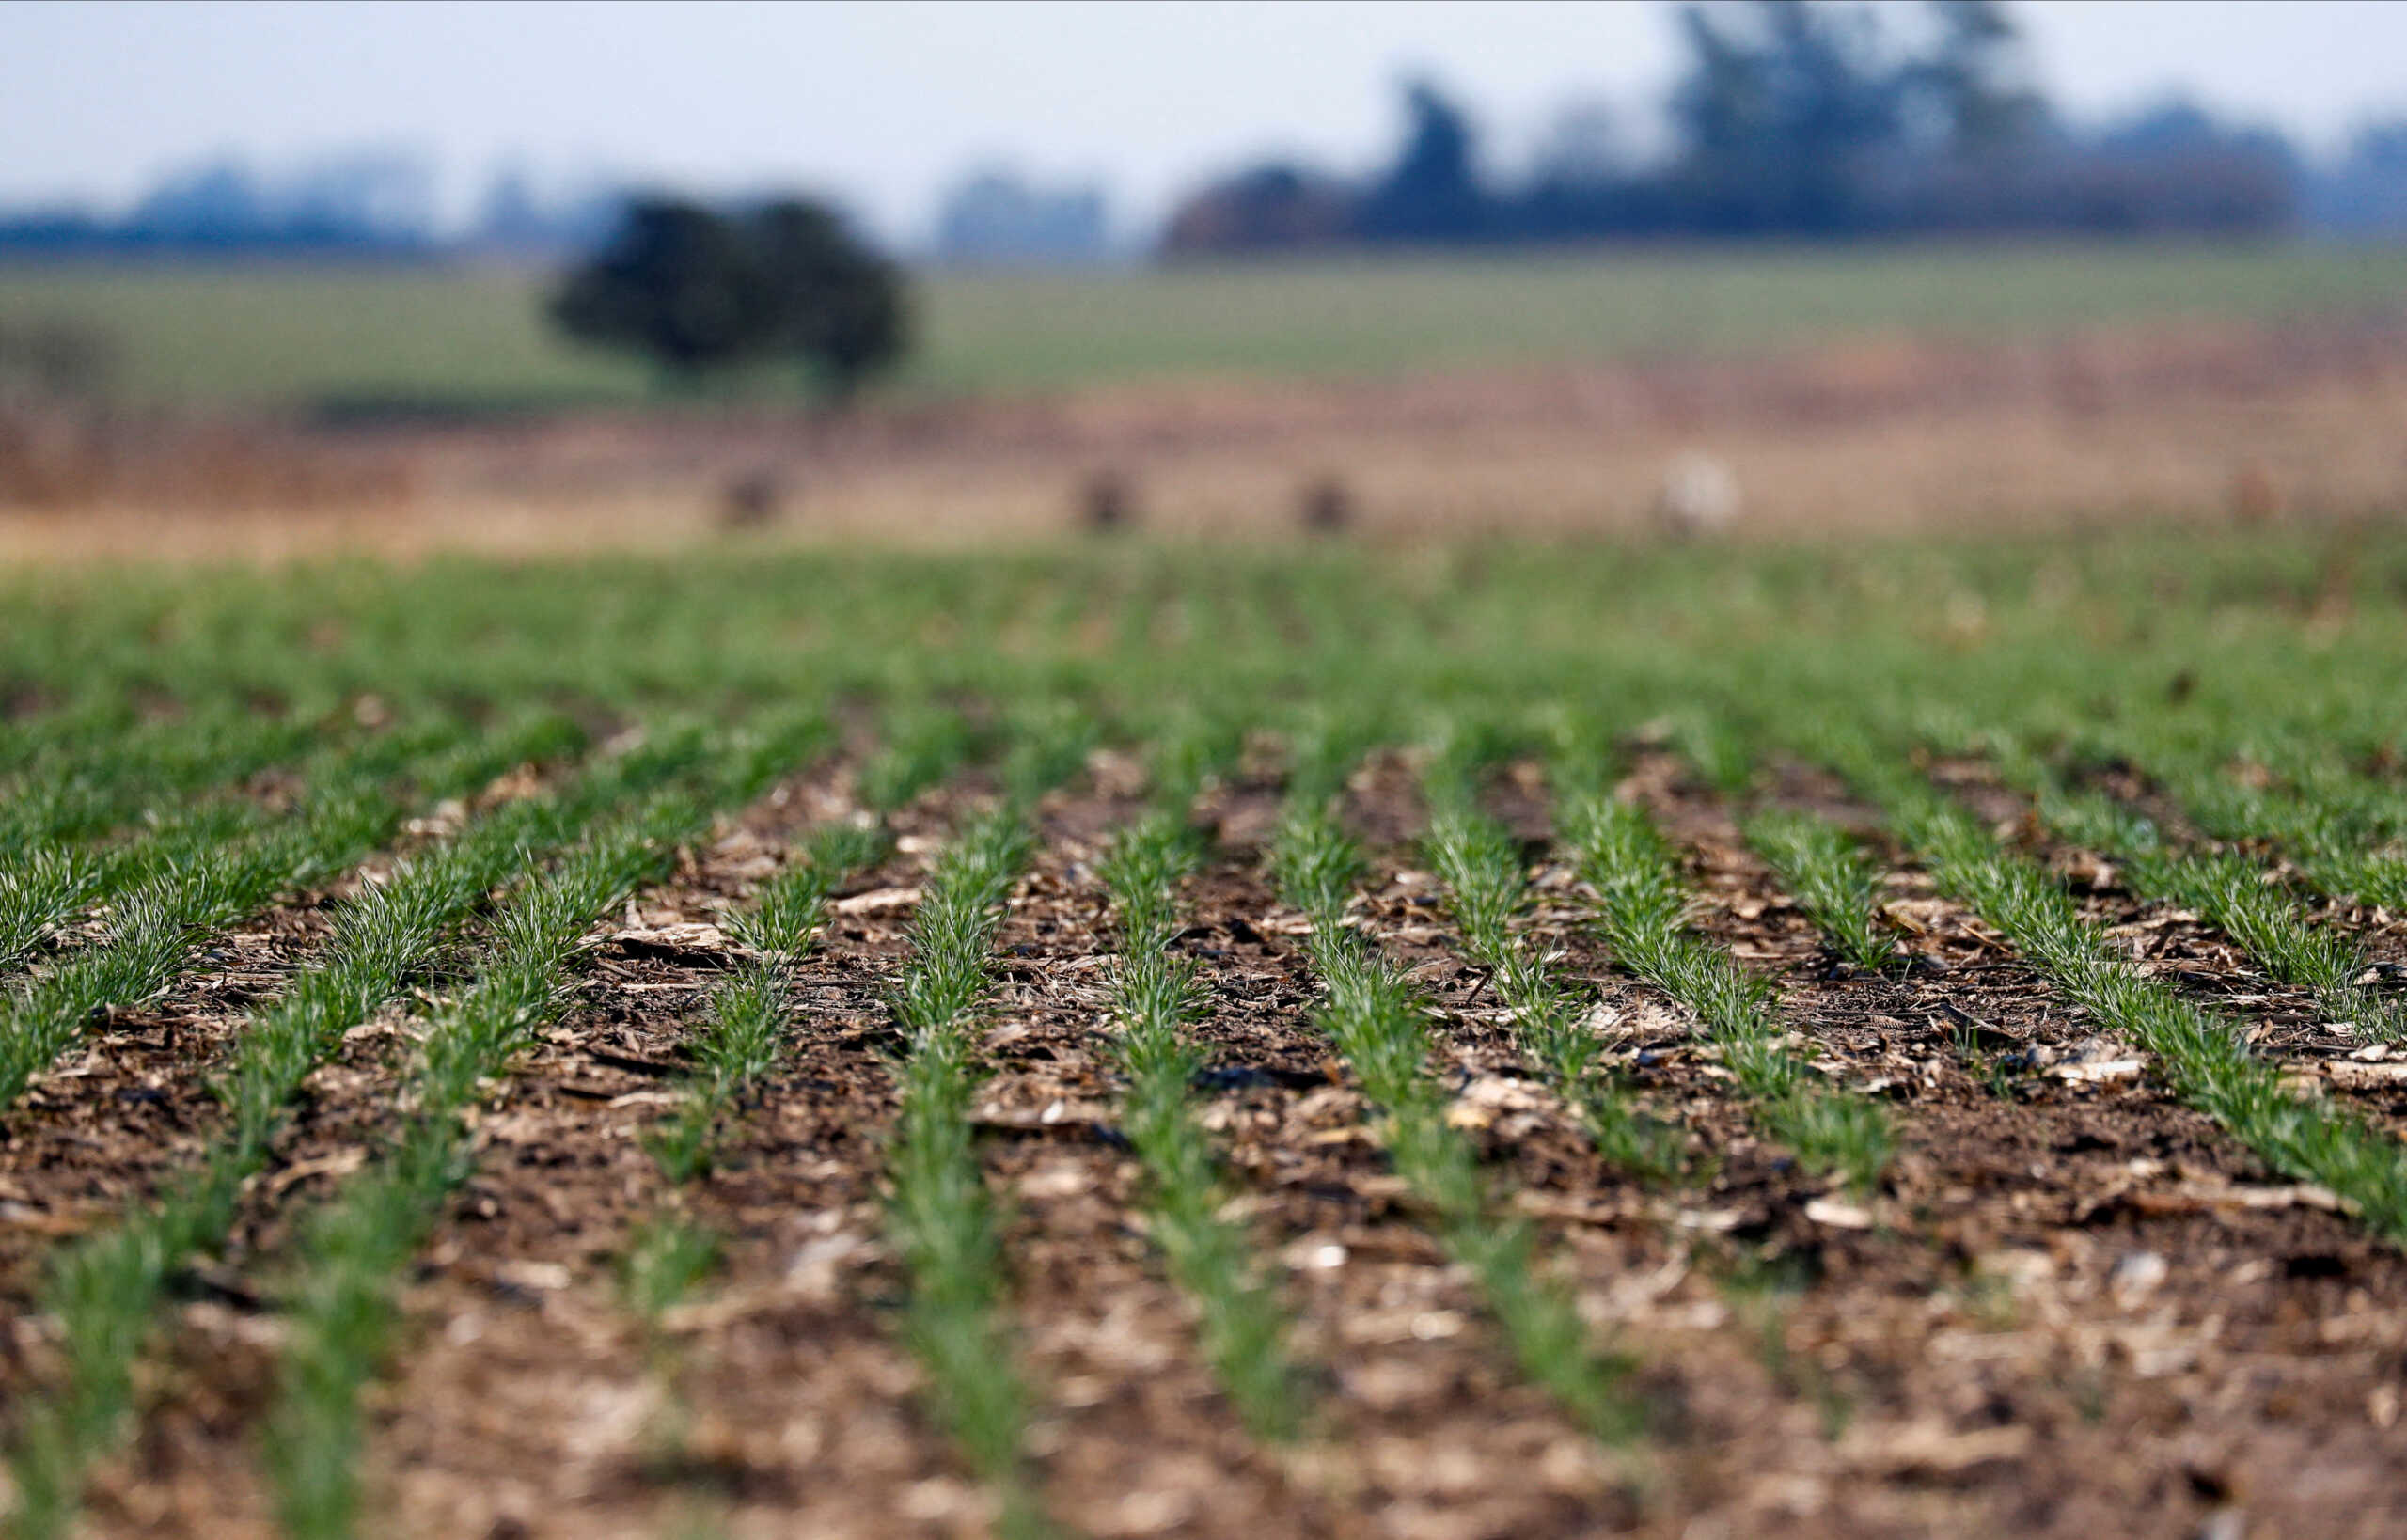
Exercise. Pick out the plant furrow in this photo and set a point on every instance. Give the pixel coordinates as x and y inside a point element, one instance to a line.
<point>1156,999</point>
<point>342,1310</point>
<point>1642,912</point>
<point>2230,892</point>
<point>105,1293</point>
<point>941,1218</point>
<point>1476,858</point>
<point>1375,1019</point>
<point>160,924</point>
<point>2204,1057</point>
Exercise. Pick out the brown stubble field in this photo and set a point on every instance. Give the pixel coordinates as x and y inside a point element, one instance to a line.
<point>1886,434</point>
<point>2072,1307</point>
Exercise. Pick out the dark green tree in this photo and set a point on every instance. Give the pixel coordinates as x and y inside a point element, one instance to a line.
<point>835,306</point>
<point>1981,80</point>
<point>1432,193</point>
<point>698,290</point>
<point>1785,108</point>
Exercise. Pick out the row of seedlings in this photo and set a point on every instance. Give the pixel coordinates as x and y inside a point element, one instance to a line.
<point>2251,905</point>
<point>1643,907</point>
<point>2341,835</point>
<point>52,868</point>
<point>1376,1019</point>
<point>2230,892</point>
<point>105,1293</point>
<point>2205,1057</point>
<point>736,1043</point>
<point>96,778</point>
<point>1158,997</point>
<point>158,927</point>
<point>1828,877</point>
<point>351,1253</point>
<point>941,1221</point>
<point>1829,874</point>
<point>46,891</point>
<point>1476,858</point>
<point>1479,863</point>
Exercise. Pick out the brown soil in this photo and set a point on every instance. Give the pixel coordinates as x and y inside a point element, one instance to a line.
<point>2073,1308</point>
<point>2249,424</point>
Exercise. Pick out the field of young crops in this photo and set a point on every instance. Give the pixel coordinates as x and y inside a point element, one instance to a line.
<point>1848,1041</point>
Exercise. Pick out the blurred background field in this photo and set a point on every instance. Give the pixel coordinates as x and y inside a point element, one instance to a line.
<point>300,333</point>
<point>1735,269</point>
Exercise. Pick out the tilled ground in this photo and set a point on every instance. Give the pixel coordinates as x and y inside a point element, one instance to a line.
<point>2073,1307</point>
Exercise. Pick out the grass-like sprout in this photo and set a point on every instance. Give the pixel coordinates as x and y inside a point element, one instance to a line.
<point>2344,841</point>
<point>666,1257</point>
<point>740,1037</point>
<point>941,1219</point>
<point>342,1310</point>
<point>1376,1018</point>
<point>923,744</point>
<point>351,1253</point>
<point>1641,909</point>
<point>2205,1058</point>
<point>1158,997</point>
<point>2232,893</point>
<point>1481,866</point>
<point>1830,878</point>
<point>106,1291</point>
<point>199,888</point>
<point>84,783</point>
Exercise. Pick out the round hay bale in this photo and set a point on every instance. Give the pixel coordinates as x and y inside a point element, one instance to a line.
<point>751,500</point>
<point>1327,507</point>
<point>2255,496</point>
<point>1698,498</point>
<point>1106,502</point>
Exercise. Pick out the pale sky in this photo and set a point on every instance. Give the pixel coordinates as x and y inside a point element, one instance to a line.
<point>884,104</point>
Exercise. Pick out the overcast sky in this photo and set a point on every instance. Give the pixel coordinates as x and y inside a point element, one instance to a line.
<point>883,104</point>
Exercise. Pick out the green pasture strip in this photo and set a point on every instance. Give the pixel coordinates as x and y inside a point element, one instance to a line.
<point>941,1219</point>
<point>1479,863</point>
<point>352,1252</point>
<point>2204,1056</point>
<point>465,335</point>
<point>1377,1020</point>
<point>1158,997</point>
<point>1831,878</point>
<point>105,1291</point>
<point>159,925</point>
<point>2234,893</point>
<point>1643,901</point>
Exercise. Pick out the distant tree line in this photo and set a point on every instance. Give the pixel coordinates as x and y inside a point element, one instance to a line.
<point>377,202</point>
<point>995,217</point>
<point>1788,119</point>
<point>1799,120</point>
